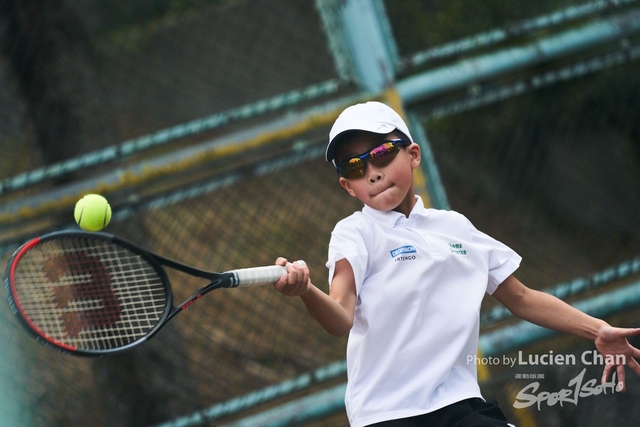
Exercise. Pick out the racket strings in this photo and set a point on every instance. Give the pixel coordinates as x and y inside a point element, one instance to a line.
<point>89,294</point>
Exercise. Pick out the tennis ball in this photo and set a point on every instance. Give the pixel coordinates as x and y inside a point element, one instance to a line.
<point>92,212</point>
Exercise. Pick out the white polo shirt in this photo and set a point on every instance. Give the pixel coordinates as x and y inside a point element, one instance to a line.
<point>419,284</point>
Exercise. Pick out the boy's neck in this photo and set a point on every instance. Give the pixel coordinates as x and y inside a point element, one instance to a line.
<point>407,204</point>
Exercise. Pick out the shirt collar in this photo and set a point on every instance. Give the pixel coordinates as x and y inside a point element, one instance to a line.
<point>391,218</point>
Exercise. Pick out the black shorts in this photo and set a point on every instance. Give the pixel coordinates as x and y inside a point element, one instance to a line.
<point>466,413</point>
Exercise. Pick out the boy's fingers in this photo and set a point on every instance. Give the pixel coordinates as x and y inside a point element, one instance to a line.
<point>621,386</point>
<point>298,268</point>
<point>292,275</point>
<point>633,332</point>
<point>294,281</point>
<point>281,283</point>
<point>605,373</point>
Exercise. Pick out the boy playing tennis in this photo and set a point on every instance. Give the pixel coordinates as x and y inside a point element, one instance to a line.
<point>406,284</point>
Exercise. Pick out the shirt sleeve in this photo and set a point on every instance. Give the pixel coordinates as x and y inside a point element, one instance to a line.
<point>347,242</point>
<point>502,260</point>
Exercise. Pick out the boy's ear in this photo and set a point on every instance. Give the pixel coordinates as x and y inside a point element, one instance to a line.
<point>415,155</point>
<point>347,186</point>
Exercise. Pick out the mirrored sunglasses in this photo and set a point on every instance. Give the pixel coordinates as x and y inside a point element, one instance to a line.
<point>380,155</point>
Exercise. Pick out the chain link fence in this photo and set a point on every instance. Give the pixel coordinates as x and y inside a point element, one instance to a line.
<point>545,158</point>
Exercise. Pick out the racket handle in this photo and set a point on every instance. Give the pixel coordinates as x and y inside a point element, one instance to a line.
<point>256,276</point>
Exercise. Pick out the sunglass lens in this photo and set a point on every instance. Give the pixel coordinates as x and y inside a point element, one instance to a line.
<point>383,154</point>
<point>352,168</point>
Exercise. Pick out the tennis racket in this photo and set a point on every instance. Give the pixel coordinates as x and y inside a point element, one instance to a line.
<point>92,294</point>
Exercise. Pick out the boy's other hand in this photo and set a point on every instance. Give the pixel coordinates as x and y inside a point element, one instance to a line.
<point>611,341</point>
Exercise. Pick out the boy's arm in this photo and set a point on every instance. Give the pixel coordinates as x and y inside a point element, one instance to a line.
<point>546,310</point>
<point>550,312</point>
<point>334,311</point>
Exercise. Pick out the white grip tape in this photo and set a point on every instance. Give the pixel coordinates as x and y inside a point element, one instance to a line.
<point>256,276</point>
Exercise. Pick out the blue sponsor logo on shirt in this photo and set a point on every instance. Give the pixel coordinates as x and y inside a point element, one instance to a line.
<point>403,250</point>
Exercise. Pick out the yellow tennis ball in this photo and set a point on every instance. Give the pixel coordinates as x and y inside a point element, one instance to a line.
<point>92,212</point>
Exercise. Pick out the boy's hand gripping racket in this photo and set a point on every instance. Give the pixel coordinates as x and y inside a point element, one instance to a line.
<point>92,294</point>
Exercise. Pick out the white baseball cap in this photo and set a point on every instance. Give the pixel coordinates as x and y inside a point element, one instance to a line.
<point>369,116</point>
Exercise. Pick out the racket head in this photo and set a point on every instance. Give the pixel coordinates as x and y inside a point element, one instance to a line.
<point>87,294</point>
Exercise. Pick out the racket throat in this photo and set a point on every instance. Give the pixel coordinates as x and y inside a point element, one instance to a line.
<point>190,301</point>
<point>220,280</point>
